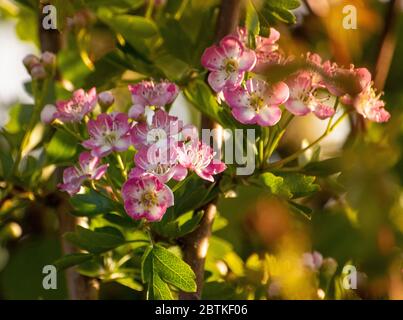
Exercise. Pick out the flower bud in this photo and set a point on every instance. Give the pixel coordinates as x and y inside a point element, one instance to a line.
<point>38,72</point>
<point>30,61</point>
<point>48,60</point>
<point>105,99</point>
<point>48,113</point>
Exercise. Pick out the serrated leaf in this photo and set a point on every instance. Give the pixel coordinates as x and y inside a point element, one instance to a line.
<point>94,242</point>
<point>71,260</point>
<point>275,184</point>
<point>300,185</point>
<point>289,185</point>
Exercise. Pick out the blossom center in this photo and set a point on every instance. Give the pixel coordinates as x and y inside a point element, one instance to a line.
<point>110,138</point>
<point>230,66</point>
<point>149,199</point>
<point>256,102</point>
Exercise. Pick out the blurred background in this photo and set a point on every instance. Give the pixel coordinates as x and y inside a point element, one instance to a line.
<point>357,216</point>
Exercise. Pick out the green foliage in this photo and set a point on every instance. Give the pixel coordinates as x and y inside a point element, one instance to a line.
<point>279,10</point>
<point>95,241</point>
<point>289,185</point>
<point>92,203</point>
<point>71,260</point>
<point>161,267</point>
<point>61,148</point>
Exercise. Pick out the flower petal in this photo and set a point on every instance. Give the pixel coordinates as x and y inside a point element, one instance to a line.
<point>268,116</point>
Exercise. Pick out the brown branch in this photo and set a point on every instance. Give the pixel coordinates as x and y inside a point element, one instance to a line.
<point>195,245</point>
<point>79,287</point>
<point>387,45</point>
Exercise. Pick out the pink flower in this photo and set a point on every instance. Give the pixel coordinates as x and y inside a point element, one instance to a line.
<point>258,102</point>
<point>108,133</point>
<point>227,62</point>
<point>303,97</point>
<point>267,50</point>
<point>146,197</point>
<point>160,162</point>
<point>369,105</point>
<point>312,261</point>
<point>151,94</point>
<point>77,107</point>
<point>162,129</point>
<point>88,168</point>
<point>360,77</point>
<point>199,157</point>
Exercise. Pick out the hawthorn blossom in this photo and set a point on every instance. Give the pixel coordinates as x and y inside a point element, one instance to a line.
<point>258,102</point>
<point>146,197</point>
<point>266,50</point>
<point>108,133</point>
<point>148,94</point>
<point>369,104</point>
<point>304,97</point>
<point>162,129</point>
<point>88,168</point>
<point>74,109</point>
<point>228,61</point>
<point>160,162</point>
<point>199,157</point>
<point>360,78</point>
<point>312,261</point>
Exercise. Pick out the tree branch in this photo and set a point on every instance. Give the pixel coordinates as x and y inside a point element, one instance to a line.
<point>79,287</point>
<point>387,44</point>
<point>195,245</point>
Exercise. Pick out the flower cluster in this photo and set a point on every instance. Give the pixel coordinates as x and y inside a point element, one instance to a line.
<point>255,101</point>
<point>165,148</point>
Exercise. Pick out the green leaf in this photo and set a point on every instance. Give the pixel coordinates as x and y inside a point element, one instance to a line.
<point>275,184</point>
<point>158,289</point>
<point>300,209</point>
<point>179,227</point>
<point>91,203</point>
<point>61,148</point>
<point>278,10</point>
<point>252,19</point>
<point>159,267</point>
<point>300,185</point>
<point>202,98</point>
<point>94,242</point>
<point>6,165</point>
<point>130,283</point>
<point>173,33</point>
<point>323,168</point>
<point>134,29</point>
<point>71,260</point>
<point>173,269</point>
<point>289,185</point>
